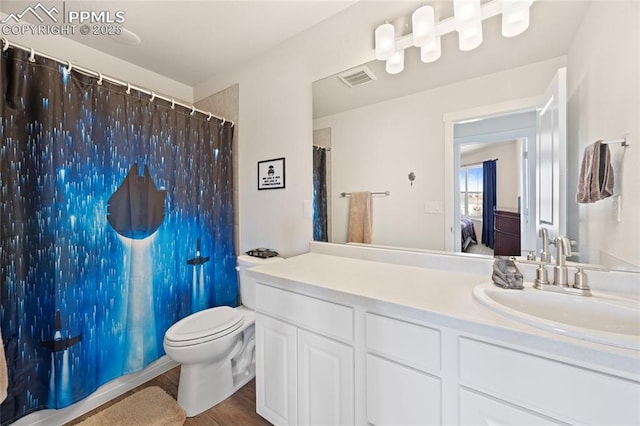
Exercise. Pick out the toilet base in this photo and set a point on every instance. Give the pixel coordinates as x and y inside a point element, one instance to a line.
<point>201,388</point>
<point>204,385</point>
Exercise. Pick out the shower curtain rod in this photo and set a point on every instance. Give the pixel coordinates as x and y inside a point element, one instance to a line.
<point>32,53</point>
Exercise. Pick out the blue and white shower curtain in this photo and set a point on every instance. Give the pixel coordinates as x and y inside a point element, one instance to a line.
<point>116,220</point>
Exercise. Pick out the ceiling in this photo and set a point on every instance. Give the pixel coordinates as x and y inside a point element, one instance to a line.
<point>553,24</point>
<point>191,41</point>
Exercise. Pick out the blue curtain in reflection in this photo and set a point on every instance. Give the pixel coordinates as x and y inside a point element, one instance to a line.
<point>488,201</point>
<point>116,220</point>
<point>320,232</point>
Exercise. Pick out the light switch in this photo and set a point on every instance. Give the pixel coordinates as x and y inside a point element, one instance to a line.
<point>432,207</point>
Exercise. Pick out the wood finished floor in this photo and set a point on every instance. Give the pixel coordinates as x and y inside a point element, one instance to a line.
<point>238,409</point>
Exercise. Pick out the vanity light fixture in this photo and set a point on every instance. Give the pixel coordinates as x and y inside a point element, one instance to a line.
<point>467,22</point>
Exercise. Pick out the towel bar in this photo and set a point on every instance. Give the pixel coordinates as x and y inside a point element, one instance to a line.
<point>383,193</point>
<point>622,141</point>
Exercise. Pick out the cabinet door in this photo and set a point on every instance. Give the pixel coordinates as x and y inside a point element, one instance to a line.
<point>276,386</point>
<point>325,381</point>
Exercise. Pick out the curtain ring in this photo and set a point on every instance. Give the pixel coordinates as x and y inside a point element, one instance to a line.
<point>224,120</point>
<point>32,55</point>
<point>128,91</point>
<point>69,67</point>
<point>173,103</point>
<point>99,79</point>
<point>153,96</point>
<point>209,117</point>
<point>5,44</point>
<point>193,110</point>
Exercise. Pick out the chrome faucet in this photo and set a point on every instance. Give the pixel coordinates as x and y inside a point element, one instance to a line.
<point>560,283</point>
<point>563,249</point>
<point>545,257</point>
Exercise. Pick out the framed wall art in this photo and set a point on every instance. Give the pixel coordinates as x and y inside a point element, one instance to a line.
<point>271,174</point>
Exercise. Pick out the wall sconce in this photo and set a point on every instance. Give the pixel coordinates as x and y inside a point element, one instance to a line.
<point>467,22</point>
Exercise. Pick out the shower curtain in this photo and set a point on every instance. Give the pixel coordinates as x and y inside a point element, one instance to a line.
<point>320,232</point>
<point>116,220</point>
<point>489,180</point>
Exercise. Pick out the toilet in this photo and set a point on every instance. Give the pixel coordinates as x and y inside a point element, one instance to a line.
<point>216,347</point>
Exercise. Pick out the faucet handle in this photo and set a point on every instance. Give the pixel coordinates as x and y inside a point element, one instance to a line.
<point>580,280</point>
<point>531,255</point>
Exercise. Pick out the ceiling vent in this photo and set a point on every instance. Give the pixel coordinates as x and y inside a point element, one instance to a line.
<point>357,76</point>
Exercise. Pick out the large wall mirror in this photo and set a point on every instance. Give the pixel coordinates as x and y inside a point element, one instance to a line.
<point>418,139</point>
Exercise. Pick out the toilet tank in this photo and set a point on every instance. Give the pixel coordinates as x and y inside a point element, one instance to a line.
<point>248,284</point>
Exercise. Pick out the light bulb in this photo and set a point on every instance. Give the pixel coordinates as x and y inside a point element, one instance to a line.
<point>395,65</point>
<point>468,23</point>
<point>431,51</point>
<point>423,22</point>
<point>515,17</point>
<point>470,38</point>
<point>385,38</point>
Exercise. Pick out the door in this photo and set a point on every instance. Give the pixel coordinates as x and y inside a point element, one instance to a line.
<point>276,384</point>
<point>551,156</point>
<point>325,381</point>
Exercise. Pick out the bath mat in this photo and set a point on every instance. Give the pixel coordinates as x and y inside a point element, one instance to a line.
<point>150,406</point>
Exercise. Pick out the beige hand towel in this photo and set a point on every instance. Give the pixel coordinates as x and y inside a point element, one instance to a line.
<point>3,372</point>
<point>360,223</point>
<point>595,181</point>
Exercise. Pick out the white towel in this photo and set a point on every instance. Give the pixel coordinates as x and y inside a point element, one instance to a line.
<point>360,224</point>
<point>3,372</point>
<point>596,174</point>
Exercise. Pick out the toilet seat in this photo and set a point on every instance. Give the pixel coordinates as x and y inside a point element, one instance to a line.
<point>204,326</point>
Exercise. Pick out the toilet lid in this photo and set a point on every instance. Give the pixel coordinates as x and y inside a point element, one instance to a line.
<point>203,326</point>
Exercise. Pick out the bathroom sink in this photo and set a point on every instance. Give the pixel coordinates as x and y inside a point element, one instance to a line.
<point>602,318</point>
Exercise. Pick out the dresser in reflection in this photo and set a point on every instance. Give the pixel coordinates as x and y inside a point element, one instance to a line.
<point>506,228</point>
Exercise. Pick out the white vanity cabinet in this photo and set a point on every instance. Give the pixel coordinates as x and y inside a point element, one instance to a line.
<point>336,348</point>
<point>304,362</point>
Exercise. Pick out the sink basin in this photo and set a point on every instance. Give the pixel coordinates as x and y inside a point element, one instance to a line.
<point>602,318</point>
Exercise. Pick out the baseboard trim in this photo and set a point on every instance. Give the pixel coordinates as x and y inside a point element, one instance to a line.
<point>103,394</point>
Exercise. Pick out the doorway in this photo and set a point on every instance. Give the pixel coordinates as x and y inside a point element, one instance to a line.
<point>507,137</point>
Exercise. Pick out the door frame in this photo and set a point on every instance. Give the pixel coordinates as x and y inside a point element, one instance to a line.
<point>452,156</point>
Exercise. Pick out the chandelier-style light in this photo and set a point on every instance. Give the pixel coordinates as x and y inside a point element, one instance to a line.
<point>467,22</point>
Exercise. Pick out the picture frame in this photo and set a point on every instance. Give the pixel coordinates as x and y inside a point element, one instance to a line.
<point>271,174</point>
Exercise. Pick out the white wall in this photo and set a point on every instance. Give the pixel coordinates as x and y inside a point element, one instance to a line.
<point>275,109</point>
<point>375,147</point>
<point>604,103</point>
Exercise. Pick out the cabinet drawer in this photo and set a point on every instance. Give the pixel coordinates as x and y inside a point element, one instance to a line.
<point>507,222</point>
<point>407,343</point>
<point>556,389</point>
<point>398,395</point>
<point>476,409</point>
<point>314,314</point>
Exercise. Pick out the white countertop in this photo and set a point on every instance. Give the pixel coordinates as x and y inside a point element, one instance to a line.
<point>440,297</point>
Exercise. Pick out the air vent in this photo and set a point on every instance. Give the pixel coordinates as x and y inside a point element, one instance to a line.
<point>357,77</point>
